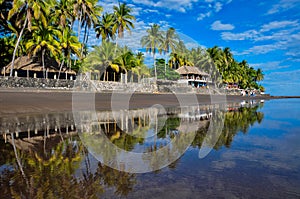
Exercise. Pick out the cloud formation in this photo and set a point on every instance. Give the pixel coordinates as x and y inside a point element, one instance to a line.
<point>272,36</point>
<point>177,5</point>
<point>217,25</point>
<point>212,6</point>
<point>283,5</point>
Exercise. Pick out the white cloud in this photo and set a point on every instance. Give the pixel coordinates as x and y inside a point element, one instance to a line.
<point>218,6</point>
<point>211,7</point>
<point>269,66</point>
<point>264,49</point>
<point>204,15</point>
<point>278,25</point>
<point>177,5</point>
<point>286,76</point>
<point>250,34</point>
<point>275,35</point>
<point>283,5</point>
<point>217,25</point>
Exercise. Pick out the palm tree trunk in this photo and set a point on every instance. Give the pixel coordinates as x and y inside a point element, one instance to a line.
<point>17,45</point>
<point>116,44</point>
<point>165,67</point>
<point>61,65</point>
<point>79,25</point>
<point>18,160</point>
<point>43,62</point>
<point>84,39</point>
<point>155,74</point>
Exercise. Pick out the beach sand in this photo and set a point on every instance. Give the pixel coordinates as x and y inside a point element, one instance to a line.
<point>43,101</point>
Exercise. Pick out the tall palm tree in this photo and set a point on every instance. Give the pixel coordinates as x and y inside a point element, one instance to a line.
<point>125,60</point>
<point>91,19</point>
<point>170,41</point>
<point>105,27</point>
<point>43,40</point>
<point>152,42</point>
<point>227,58</point>
<point>101,58</point>
<point>140,68</point>
<point>35,9</point>
<point>70,45</point>
<point>123,19</point>
<point>64,13</point>
<point>259,75</point>
<point>216,55</point>
<point>87,12</point>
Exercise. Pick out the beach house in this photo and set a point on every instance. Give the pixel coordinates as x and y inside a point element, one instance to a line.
<point>191,75</point>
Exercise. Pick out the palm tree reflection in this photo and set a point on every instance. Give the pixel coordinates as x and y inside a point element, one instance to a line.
<point>63,168</point>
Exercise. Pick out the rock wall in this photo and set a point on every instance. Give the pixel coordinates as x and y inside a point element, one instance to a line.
<point>23,82</point>
<point>163,86</point>
<point>100,86</point>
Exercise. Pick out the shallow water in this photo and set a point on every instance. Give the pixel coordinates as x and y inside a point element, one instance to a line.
<point>255,155</point>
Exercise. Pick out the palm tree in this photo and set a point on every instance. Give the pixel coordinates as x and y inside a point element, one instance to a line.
<point>64,13</point>
<point>105,27</point>
<point>43,40</point>
<point>70,45</point>
<point>227,58</point>
<point>35,9</point>
<point>91,19</point>
<point>125,60</point>
<point>140,68</point>
<point>152,42</point>
<point>101,58</point>
<point>123,19</point>
<point>170,42</point>
<point>216,55</point>
<point>259,75</point>
<point>87,12</point>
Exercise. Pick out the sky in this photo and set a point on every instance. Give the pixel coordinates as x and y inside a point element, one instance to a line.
<point>266,33</point>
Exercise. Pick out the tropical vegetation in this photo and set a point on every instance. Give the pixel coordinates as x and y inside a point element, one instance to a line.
<point>29,27</point>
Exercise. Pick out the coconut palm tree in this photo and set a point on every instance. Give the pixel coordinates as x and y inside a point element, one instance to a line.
<point>216,55</point>
<point>64,13</point>
<point>87,12</point>
<point>227,58</point>
<point>35,9</point>
<point>43,41</point>
<point>123,19</point>
<point>140,68</point>
<point>125,60</point>
<point>152,42</point>
<point>105,27</point>
<point>170,42</point>
<point>259,75</point>
<point>70,45</point>
<point>101,58</point>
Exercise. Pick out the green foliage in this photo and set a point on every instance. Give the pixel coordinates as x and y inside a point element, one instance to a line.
<point>6,52</point>
<point>233,71</point>
<point>45,28</point>
<point>170,73</point>
<point>120,59</point>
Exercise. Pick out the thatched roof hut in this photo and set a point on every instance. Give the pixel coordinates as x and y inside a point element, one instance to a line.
<point>190,70</point>
<point>29,65</point>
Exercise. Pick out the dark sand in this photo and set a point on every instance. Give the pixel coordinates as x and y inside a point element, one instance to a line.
<point>19,102</point>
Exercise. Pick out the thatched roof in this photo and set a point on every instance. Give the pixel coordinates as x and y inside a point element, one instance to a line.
<point>31,64</point>
<point>189,70</point>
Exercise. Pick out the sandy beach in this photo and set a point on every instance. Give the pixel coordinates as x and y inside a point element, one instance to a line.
<point>42,101</point>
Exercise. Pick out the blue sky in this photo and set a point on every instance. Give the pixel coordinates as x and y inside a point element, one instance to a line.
<point>265,33</point>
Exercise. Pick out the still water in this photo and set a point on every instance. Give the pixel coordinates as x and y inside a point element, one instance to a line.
<point>255,153</point>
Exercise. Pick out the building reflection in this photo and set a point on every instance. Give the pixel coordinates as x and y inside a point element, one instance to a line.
<point>43,156</point>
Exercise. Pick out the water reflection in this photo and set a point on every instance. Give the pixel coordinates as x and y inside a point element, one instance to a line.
<point>42,156</point>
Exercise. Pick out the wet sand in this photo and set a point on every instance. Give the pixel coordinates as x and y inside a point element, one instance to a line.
<point>18,102</point>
